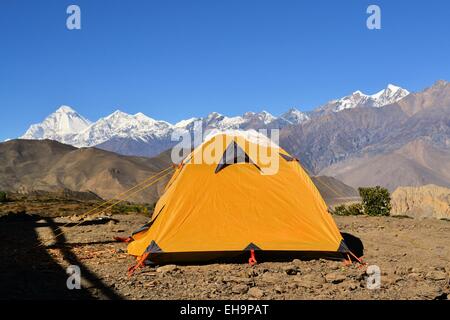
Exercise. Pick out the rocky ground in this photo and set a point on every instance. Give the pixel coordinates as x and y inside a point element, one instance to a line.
<point>413,256</point>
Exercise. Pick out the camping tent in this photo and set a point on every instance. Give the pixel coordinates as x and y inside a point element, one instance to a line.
<point>225,199</point>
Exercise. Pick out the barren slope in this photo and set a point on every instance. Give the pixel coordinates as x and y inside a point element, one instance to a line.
<point>415,164</point>
<point>27,165</point>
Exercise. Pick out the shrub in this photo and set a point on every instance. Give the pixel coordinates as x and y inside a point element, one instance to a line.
<point>376,201</point>
<point>340,210</point>
<point>3,197</point>
<point>354,209</point>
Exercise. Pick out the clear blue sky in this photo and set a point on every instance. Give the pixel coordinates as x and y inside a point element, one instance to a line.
<point>178,59</point>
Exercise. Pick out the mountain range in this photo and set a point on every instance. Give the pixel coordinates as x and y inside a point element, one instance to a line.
<point>390,138</point>
<point>141,135</point>
<point>382,98</point>
<point>406,143</point>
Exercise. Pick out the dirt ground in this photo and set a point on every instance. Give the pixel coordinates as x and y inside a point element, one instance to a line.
<point>413,257</point>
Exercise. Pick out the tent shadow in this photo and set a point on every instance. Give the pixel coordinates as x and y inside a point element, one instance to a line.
<point>29,272</point>
<point>353,243</point>
<point>73,224</point>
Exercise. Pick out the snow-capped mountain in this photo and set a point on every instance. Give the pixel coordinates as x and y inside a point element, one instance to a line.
<point>139,134</point>
<point>185,124</point>
<point>264,117</point>
<point>357,99</point>
<point>218,121</point>
<point>62,125</point>
<point>122,125</point>
<point>294,116</point>
<point>143,136</point>
<point>249,120</point>
<point>389,95</point>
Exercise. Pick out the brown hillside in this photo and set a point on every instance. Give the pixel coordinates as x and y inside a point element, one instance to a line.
<point>415,164</point>
<point>27,165</point>
<point>437,95</point>
<point>335,192</point>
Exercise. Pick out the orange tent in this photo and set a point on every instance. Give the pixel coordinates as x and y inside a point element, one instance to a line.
<point>225,199</point>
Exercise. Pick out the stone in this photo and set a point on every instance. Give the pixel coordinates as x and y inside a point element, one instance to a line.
<point>392,279</point>
<point>237,279</point>
<point>292,286</point>
<point>290,270</point>
<point>255,292</point>
<point>239,289</point>
<point>278,289</point>
<point>414,276</point>
<point>436,275</point>
<point>269,277</point>
<point>335,278</point>
<point>401,271</point>
<point>353,285</point>
<point>76,218</point>
<point>297,262</point>
<point>309,280</point>
<point>252,273</point>
<point>429,292</point>
<point>167,269</point>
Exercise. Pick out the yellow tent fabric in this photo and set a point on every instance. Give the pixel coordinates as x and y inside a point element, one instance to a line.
<point>209,210</point>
